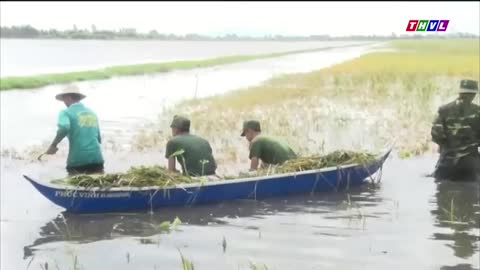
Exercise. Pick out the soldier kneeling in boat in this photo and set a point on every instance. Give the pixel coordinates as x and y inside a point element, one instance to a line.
<point>192,152</point>
<point>456,130</point>
<point>267,149</point>
<point>80,125</point>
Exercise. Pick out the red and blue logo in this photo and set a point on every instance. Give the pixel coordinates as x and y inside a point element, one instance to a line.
<point>427,25</point>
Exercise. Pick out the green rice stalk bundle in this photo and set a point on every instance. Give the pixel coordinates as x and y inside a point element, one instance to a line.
<point>336,158</point>
<point>141,176</point>
<point>144,176</point>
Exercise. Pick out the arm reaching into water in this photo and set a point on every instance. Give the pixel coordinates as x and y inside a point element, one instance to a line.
<point>172,164</point>
<point>254,164</point>
<point>62,132</point>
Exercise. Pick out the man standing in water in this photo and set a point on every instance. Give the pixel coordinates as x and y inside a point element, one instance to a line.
<point>80,125</point>
<point>456,130</point>
<point>192,152</point>
<point>264,148</point>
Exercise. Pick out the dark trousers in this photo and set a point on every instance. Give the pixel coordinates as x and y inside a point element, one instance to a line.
<point>86,169</point>
<point>467,168</point>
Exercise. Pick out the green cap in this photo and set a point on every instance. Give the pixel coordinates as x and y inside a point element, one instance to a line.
<point>468,86</point>
<point>180,122</point>
<point>251,124</point>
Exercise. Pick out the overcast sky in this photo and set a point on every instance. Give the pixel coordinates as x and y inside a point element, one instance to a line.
<point>243,18</point>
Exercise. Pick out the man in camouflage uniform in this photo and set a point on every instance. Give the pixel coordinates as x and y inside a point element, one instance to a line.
<point>456,130</point>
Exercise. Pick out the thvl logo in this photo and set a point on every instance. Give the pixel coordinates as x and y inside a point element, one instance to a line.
<point>427,25</point>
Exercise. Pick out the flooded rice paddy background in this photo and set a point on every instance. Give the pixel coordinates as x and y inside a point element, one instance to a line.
<point>126,103</point>
<point>25,57</point>
<point>408,221</point>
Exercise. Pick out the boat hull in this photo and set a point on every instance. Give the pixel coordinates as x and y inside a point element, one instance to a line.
<point>96,200</point>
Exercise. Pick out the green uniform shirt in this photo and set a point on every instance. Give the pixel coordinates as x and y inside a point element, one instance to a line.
<point>270,150</point>
<point>80,125</point>
<point>195,150</point>
<point>456,129</point>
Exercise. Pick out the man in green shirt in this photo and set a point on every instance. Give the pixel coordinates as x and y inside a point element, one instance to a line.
<point>456,130</point>
<point>192,152</point>
<point>264,148</point>
<point>80,125</point>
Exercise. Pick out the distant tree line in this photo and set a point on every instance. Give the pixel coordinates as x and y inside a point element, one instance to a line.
<point>27,31</point>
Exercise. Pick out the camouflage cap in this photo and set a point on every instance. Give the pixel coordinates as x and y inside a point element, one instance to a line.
<point>468,86</point>
<point>180,122</point>
<point>251,124</point>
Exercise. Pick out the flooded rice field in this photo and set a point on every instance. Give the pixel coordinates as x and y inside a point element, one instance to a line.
<point>408,221</point>
<point>20,57</point>
<point>124,104</point>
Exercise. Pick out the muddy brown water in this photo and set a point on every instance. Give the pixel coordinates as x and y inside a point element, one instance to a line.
<point>405,222</point>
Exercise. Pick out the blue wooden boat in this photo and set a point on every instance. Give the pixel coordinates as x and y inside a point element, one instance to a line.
<point>126,199</point>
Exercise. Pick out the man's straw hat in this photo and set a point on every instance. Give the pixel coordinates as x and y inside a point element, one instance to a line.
<point>71,89</point>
